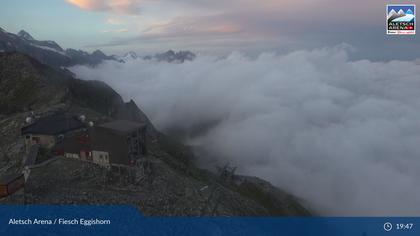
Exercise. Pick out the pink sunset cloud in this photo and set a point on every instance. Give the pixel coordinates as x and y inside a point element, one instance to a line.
<point>118,6</point>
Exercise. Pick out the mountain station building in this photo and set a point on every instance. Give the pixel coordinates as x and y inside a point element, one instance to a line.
<point>48,131</point>
<point>114,143</point>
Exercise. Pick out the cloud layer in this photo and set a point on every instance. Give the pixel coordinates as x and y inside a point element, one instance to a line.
<point>117,6</point>
<point>343,135</point>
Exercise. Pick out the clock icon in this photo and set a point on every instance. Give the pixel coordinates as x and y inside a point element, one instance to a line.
<point>387,227</point>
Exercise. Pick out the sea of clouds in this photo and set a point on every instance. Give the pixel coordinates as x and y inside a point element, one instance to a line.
<point>342,135</point>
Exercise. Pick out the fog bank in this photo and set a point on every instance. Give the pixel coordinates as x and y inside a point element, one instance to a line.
<point>343,135</point>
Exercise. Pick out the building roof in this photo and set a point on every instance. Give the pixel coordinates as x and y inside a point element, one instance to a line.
<point>123,126</point>
<point>32,155</point>
<point>52,125</point>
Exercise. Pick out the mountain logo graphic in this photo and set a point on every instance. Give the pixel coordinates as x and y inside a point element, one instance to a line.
<point>401,19</point>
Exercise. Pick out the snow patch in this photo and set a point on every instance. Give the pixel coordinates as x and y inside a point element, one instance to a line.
<point>49,49</point>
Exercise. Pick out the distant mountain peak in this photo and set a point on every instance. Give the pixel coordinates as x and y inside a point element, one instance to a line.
<point>131,54</point>
<point>172,56</point>
<point>47,51</point>
<point>25,35</point>
<point>98,53</point>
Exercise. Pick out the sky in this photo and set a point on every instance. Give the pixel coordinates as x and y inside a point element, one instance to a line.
<point>118,26</point>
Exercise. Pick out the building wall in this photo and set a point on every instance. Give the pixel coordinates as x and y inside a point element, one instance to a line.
<point>113,143</point>
<point>46,141</point>
<point>101,158</point>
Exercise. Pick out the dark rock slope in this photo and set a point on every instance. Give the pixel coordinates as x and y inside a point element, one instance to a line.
<point>170,184</point>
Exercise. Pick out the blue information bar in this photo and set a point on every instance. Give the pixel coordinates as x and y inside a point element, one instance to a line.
<point>127,220</point>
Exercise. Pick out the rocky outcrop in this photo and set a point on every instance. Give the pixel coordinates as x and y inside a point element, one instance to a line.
<point>26,84</point>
